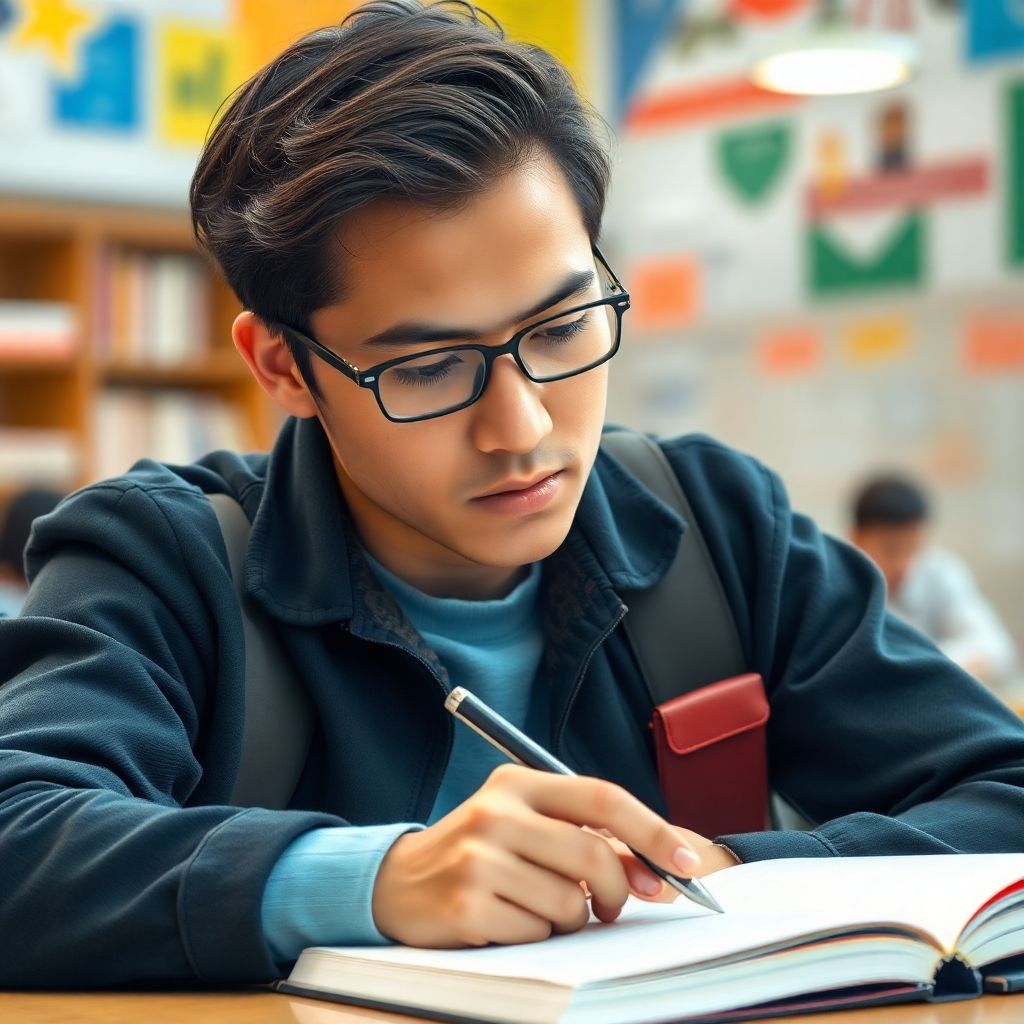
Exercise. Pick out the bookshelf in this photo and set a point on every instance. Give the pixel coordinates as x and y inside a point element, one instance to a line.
<point>110,312</point>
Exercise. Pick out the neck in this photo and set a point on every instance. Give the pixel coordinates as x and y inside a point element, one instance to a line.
<point>467,581</point>
<point>421,561</point>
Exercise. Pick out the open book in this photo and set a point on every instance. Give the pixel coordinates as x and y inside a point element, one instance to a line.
<point>796,935</point>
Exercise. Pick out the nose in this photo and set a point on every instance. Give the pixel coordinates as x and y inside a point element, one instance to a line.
<point>510,415</point>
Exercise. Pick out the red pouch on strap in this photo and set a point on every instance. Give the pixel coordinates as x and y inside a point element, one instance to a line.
<point>711,754</point>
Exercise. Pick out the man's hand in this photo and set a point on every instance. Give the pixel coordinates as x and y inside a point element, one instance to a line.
<point>507,865</point>
<point>645,884</point>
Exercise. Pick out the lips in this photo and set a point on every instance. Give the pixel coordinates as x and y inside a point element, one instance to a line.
<point>512,486</point>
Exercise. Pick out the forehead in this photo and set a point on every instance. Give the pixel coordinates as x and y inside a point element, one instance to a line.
<point>490,254</point>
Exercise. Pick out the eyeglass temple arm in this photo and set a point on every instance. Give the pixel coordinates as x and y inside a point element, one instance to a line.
<point>612,276</point>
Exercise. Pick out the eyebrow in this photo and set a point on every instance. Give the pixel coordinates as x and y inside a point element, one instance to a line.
<point>575,284</point>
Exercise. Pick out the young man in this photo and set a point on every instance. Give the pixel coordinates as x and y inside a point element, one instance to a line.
<point>404,195</point>
<point>927,586</point>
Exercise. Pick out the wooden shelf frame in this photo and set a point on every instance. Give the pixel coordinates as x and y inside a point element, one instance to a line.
<point>51,252</point>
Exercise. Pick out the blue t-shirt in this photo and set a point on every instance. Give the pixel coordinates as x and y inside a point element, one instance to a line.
<point>320,891</point>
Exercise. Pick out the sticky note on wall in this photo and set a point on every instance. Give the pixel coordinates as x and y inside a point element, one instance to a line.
<point>878,340</point>
<point>790,350</point>
<point>994,343</point>
<point>665,293</point>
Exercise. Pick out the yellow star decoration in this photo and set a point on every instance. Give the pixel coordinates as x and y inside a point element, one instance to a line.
<point>57,26</point>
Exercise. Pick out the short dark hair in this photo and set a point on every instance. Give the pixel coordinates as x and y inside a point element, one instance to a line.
<point>890,501</point>
<point>427,102</point>
<point>22,511</point>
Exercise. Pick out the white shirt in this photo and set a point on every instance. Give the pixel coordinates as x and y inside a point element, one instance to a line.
<point>939,597</point>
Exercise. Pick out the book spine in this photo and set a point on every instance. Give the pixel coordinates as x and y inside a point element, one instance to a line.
<point>955,979</point>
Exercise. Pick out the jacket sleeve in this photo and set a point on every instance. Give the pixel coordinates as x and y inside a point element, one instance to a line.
<point>122,860</point>
<point>874,735</point>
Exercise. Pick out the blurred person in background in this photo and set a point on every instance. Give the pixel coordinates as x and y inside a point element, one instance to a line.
<point>929,587</point>
<point>22,511</point>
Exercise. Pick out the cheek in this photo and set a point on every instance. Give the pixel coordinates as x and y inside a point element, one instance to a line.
<point>399,466</point>
<point>578,404</point>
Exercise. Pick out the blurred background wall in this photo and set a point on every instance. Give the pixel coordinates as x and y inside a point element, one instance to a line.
<point>831,283</point>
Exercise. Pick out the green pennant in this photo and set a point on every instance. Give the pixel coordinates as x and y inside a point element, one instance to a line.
<point>751,160</point>
<point>1015,171</point>
<point>899,263</point>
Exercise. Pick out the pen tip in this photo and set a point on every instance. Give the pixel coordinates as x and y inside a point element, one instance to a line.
<point>710,902</point>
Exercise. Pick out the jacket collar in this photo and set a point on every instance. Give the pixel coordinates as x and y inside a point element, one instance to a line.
<point>304,567</point>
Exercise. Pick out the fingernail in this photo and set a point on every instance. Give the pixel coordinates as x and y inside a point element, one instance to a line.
<point>648,886</point>
<point>686,859</point>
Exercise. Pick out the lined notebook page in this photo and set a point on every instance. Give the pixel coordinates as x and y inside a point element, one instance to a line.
<point>766,903</point>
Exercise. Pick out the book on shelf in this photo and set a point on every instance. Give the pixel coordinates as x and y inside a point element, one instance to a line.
<point>796,936</point>
<point>38,456</point>
<point>164,425</point>
<point>43,330</point>
<point>151,308</point>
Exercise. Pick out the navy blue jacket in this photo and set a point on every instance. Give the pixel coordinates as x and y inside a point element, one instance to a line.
<point>121,706</point>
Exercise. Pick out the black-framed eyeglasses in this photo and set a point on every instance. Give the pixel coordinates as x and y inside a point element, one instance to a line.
<point>444,380</point>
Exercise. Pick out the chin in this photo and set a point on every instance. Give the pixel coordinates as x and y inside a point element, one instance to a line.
<point>536,545</point>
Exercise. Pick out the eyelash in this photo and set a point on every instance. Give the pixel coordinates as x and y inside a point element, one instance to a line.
<point>434,372</point>
<point>572,329</point>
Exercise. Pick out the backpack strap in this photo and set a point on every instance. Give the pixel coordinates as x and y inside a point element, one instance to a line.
<point>687,607</point>
<point>278,716</point>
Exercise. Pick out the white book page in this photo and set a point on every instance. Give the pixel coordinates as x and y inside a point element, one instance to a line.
<point>766,903</point>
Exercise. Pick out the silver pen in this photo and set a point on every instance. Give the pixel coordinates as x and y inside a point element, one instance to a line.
<point>520,748</point>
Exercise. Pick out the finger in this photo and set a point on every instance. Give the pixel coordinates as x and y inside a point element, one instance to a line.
<point>603,805</point>
<point>542,892</point>
<point>505,923</point>
<point>644,883</point>
<point>572,853</point>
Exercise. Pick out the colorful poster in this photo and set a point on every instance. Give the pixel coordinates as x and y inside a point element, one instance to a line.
<point>266,27</point>
<point>555,26</point>
<point>899,261</point>
<point>197,70</point>
<point>105,93</point>
<point>767,8</point>
<point>640,26</point>
<point>878,340</point>
<point>752,159</point>
<point>722,100</point>
<point>24,98</point>
<point>1015,172</point>
<point>995,28</point>
<point>789,351</point>
<point>665,293</point>
<point>57,28</point>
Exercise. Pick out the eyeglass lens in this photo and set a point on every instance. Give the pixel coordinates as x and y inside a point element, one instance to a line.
<point>437,382</point>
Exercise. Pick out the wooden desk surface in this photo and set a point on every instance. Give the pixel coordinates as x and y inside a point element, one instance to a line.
<point>270,1008</point>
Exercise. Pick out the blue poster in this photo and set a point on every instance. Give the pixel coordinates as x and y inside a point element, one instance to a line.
<point>106,93</point>
<point>640,25</point>
<point>6,13</point>
<point>995,28</point>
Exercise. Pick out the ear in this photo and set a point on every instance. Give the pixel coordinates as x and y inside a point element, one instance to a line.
<point>272,364</point>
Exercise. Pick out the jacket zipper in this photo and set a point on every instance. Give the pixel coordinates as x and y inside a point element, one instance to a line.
<point>591,651</point>
<point>430,672</point>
